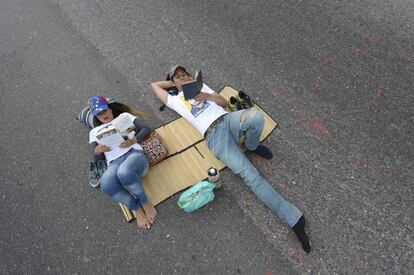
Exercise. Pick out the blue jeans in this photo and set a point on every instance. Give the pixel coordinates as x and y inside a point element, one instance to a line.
<point>224,142</point>
<point>122,182</point>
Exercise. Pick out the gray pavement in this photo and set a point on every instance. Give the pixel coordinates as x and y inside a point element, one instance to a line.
<point>336,75</point>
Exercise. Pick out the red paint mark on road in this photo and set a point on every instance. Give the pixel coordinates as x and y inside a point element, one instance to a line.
<point>302,118</point>
<point>314,125</point>
<point>360,159</point>
<point>322,130</point>
<point>406,56</point>
<point>316,70</point>
<point>381,176</point>
<point>378,90</point>
<point>279,93</point>
<point>376,172</point>
<point>325,60</point>
<point>268,260</point>
<point>313,91</point>
<point>364,52</point>
<point>362,263</point>
<point>296,254</point>
<point>316,83</point>
<point>366,36</point>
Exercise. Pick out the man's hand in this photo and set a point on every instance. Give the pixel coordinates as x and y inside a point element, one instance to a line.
<point>218,99</point>
<point>127,143</point>
<point>203,96</point>
<point>101,149</point>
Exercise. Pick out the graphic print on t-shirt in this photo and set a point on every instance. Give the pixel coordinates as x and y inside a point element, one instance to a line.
<point>195,107</point>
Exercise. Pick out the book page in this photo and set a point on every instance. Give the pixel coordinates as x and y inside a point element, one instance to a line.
<point>110,137</point>
<point>124,124</point>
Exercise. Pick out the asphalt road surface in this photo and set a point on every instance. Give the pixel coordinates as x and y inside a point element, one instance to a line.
<point>336,75</point>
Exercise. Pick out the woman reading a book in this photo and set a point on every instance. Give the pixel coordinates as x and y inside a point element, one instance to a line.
<point>126,162</point>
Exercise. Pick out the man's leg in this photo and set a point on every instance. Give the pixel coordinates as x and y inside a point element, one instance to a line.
<point>224,145</point>
<point>246,127</point>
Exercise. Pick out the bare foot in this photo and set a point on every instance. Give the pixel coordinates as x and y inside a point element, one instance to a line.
<point>142,220</point>
<point>150,212</point>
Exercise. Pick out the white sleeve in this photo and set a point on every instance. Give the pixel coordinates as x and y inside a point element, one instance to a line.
<point>92,137</point>
<point>172,102</point>
<point>207,89</point>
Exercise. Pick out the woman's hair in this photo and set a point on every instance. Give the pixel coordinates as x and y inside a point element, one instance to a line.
<point>119,108</point>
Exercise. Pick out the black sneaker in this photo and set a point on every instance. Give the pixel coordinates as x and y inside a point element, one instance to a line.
<point>234,104</point>
<point>93,174</point>
<point>245,100</point>
<point>102,166</point>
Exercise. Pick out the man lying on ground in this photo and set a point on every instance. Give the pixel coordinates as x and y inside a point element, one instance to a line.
<point>224,133</point>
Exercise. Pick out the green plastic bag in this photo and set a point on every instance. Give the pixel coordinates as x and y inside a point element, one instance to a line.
<point>196,196</point>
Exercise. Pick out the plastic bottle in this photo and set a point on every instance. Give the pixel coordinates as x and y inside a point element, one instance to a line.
<point>214,176</point>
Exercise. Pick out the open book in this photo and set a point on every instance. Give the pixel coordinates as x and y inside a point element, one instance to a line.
<point>118,130</point>
<point>192,88</point>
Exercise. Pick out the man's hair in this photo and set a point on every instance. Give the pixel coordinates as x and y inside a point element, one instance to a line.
<point>174,69</point>
<point>172,77</point>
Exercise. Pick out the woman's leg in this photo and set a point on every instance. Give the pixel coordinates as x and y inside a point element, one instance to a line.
<point>129,174</point>
<point>111,185</point>
<point>113,188</point>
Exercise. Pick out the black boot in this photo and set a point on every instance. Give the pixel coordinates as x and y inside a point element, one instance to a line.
<point>234,104</point>
<point>245,100</point>
<point>299,229</point>
<point>263,151</point>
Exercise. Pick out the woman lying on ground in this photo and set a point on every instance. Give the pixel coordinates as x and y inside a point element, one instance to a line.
<point>126,162</point>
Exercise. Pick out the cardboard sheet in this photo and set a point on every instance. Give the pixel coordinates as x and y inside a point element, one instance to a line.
<point>186,148</point>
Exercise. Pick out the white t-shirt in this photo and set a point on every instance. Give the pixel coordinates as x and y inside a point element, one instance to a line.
<point>117,151</point>
<point>199,114</point>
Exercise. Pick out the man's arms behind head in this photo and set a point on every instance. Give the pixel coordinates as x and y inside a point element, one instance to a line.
<point>160,89</point>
